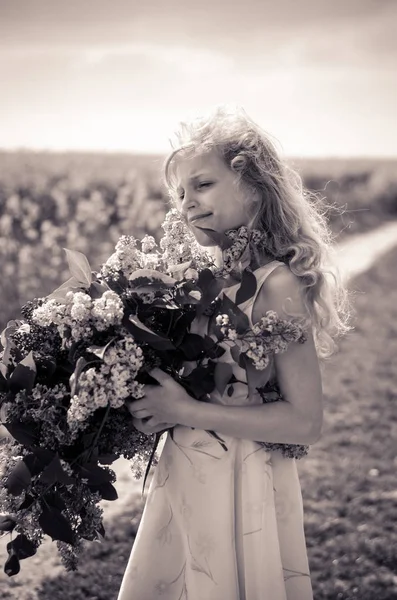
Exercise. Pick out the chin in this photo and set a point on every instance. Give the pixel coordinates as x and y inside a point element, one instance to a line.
<point>203,239</point>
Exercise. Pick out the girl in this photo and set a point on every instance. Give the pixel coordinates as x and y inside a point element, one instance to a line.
<point>228,525</point>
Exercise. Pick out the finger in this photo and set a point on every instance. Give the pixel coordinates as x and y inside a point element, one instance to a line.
<point>161,376</point>
<point>141,414</point>
<point>136,404</point>
<point>145,427</point>
<point>138,412</point>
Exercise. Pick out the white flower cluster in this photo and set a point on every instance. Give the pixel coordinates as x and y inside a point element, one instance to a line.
<point>111,384</point>
<point>223,322</point>
<point>148,243</point>
<point>127,257</point>
<point>107,310</point>
<point>52,312</point>
<point>271,335</point>
<point>266,323</point>
<point>256,352</point>
<point>179,244</point>
<point>80,313</point>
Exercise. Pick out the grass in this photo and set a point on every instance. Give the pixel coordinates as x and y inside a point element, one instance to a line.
<point>348,479</point>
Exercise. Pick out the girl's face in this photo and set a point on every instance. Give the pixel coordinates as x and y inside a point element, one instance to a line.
<point>210,197</point>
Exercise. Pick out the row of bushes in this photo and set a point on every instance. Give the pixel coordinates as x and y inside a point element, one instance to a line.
<point>85,202</point>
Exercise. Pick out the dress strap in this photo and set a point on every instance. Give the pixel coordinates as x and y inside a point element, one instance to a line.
<point>261,275</point>
<point>263,272</point>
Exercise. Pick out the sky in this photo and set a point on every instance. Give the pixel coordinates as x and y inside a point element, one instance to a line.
<point>319,76</point>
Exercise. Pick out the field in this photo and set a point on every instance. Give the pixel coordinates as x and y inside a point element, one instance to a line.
<point>348,479</point>
<point>85,202</point>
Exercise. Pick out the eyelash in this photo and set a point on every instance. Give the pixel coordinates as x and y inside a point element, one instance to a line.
<point>202,184</point>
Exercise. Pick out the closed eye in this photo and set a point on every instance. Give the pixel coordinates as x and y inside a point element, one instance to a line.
<point>201,185</point>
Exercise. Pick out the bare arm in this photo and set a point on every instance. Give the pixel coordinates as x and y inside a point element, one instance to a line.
<point>297,419</point>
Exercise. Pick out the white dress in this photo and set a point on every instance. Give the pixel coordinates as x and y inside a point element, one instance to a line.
<point>221,525</point>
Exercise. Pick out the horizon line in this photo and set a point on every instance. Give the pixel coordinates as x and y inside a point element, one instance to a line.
<point>132,152</point>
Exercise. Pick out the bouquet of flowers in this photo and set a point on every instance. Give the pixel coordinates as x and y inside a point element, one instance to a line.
<point>78,355</point>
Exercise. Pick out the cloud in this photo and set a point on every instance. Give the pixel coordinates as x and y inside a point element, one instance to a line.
<point>260,34</point>
<point>305,69</point>
<point>205,22</point>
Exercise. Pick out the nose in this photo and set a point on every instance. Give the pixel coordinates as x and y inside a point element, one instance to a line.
<point>189,201</point>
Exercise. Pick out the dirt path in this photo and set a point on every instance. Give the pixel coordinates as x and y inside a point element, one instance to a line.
<point>359,252</point>
<point>354,256</point>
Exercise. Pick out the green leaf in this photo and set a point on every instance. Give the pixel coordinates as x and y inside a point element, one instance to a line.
<point>79,267</point>
<point>94,474</point>
<point>71,285</point>
<point>88,438</point>
<point>107,490</point>
<point>54,498</point>
<point>96,290</point>
<point>48,367</point>
<point>238,318</point>
<point>212,349</point>
<point>247,287</point>
<point>12,566</point>
<point>181,325</point>
<point>143,334</point>
<point>38,460</point>
<point>200,380</point>
<point>99,351</point>
<point>24,433</point>
<point>192,346</point>
<point>151,276</point>
<point>184,296</point>
<point>242,361</point>
<point>235,353</point>
<point>54,473</point>
<point>19,479</point>
<point>210,288</point>
<point>205,279</point>
<point>4,384</point>
<point>222,375</point>
<point>107,459</point>
<point>23,375</point>
<point>54,524</point>
<point>178,270</point>
<point>74,378</point>
<point>22,547</point>
<point>27,502</point>
<point>101,530</point>
<point>6,340</point>
<point>7,523</point>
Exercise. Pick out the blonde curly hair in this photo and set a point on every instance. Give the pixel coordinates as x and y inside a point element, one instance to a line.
<point>293,217</point>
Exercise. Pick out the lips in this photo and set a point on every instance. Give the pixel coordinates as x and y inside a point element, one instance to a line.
<point>196,217</point>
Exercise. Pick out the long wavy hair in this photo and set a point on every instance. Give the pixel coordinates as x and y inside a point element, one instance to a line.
<point>293,217</point>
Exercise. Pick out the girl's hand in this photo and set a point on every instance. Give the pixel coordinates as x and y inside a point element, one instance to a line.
<point>150,425</point>
<point>164,404</point>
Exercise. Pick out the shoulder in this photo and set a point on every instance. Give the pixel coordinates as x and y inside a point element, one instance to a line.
<point>282,291</point>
